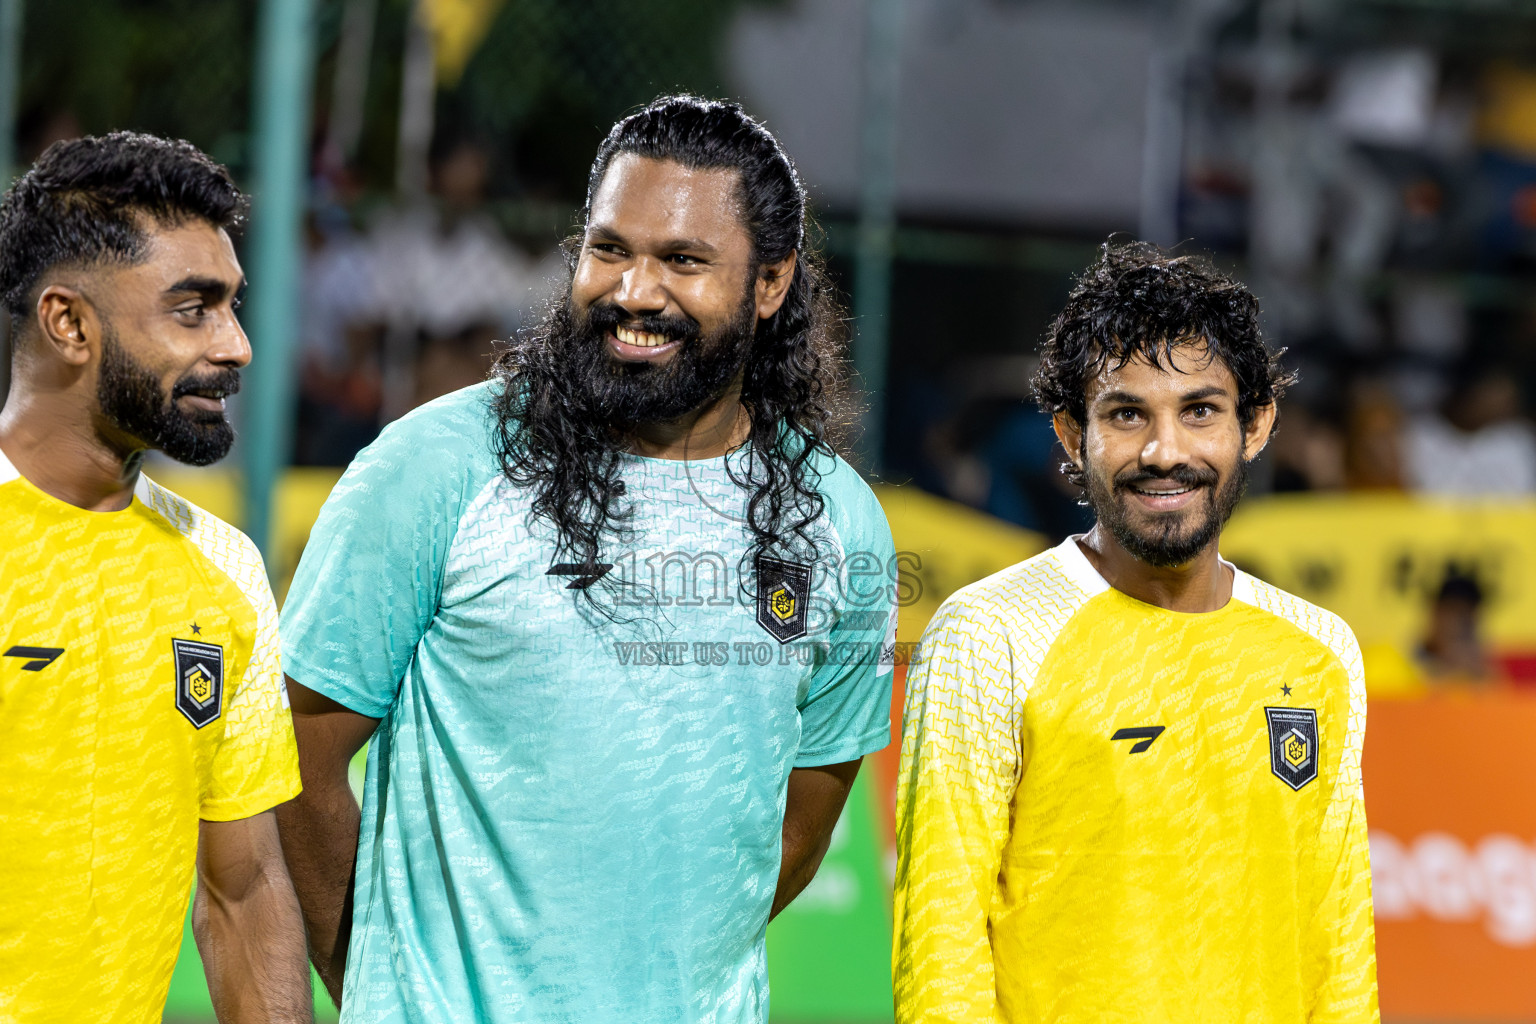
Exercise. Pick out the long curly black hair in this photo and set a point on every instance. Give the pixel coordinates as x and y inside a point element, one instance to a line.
<point>553,439</point>
<point>1139,300</point>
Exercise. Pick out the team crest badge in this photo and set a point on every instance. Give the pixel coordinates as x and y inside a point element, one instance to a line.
<point>199,680</point>
<point>783,591</point>
<point>1293,753</point>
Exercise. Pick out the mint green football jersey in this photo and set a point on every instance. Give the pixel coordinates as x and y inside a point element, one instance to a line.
<point>574,798</point>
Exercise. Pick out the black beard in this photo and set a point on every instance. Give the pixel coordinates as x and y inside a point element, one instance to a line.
<point>1163,545</point>
<point>626,394</point>
<point>131,400</point>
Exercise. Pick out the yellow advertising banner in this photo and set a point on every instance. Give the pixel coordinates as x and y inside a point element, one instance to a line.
<point>1378,561</point>
<point>1375,560</point>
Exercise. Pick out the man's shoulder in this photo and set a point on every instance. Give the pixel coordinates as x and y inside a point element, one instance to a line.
<point>459,423</point>
<point>1031,600</point>
<point>850,503</point>
<point>1319,623</point>
<point>1042,582</point>
<point>230,550</point>
<point>447,442</point>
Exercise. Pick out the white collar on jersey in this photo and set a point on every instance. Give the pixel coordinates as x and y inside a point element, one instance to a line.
<point>1081,572</point>
<point>9,472</point>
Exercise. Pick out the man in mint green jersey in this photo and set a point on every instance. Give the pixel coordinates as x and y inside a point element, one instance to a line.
<point>618,622</point>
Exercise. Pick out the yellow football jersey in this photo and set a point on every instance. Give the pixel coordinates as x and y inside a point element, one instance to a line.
<point>1111,812</point>
<point>140,691</point>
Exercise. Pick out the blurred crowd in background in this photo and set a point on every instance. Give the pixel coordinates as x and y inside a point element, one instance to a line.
<point>1367,166</point>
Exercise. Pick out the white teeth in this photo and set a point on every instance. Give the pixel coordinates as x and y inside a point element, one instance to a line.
<point>642,339</point>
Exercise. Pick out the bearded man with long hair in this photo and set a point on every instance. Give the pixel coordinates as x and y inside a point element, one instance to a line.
<point>617,620</point>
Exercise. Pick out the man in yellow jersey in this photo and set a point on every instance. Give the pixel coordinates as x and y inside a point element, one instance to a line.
<point>1130,785</point>
<point>143,722</point>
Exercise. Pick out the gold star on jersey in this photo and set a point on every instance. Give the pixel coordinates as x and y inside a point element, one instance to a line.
<point>1112,812</point>
<point>140,691</point>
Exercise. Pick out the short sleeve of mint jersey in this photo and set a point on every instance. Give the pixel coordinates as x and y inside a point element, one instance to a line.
<point>368,584</point>
<point>847,709</point>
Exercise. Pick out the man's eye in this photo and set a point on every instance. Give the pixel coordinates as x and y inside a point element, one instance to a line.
<point>606,248</point>
<point>684,260</point>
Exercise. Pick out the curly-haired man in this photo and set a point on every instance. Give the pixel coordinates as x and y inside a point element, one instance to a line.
<point>1130,785</point>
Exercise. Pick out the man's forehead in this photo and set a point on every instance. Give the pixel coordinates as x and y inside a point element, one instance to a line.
<point>1180,367</point>
<point>643,192</point>
<point>193,248</point>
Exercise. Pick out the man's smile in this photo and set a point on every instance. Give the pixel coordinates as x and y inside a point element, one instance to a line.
<point>630,344</point>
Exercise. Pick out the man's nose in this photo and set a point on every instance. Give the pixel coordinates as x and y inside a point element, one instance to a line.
<point>1167,446</point>
<point>230,345</point>
<point>640,288</point>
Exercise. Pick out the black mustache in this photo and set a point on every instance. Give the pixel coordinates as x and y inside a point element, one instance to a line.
<point>1188,476</point>
<point>226,381</point>
<point>605,317</point>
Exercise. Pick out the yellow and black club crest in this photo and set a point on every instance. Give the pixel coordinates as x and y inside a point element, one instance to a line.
<point>1292,744</point>
<point>199,680</point>
<point>782,591</point>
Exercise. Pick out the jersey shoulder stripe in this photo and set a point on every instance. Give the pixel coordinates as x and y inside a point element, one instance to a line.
<point>236,556</point>
<point>979,657</point>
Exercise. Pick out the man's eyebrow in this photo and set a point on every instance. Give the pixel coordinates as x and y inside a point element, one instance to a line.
<point>1209,391</point>
<point>688,245</point>
<point>208,287</point>
<point>1119,398</point>
<point>698,245</point>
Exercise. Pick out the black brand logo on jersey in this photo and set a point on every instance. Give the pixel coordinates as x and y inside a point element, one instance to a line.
<point>783,591</point>
<point>1293,753</point>
<point>586,573</point>
<point>199,680</point>
<point>40,657</point>
<point>1143,733</point>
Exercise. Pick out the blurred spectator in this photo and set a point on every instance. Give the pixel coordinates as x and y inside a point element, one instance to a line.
<point>1478,444</point>
<point>1373,455</point>
<point>1453,650</point>
<point>408,311</point>
<point>1307,453</point>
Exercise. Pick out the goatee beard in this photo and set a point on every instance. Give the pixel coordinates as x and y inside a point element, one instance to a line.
<point>131,400</point>
<point>626,394</point>
<point>1167,541</point>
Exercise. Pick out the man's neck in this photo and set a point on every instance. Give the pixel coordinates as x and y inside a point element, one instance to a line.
<point>57,448</point>
<point>718,427</point>
<point>1203,584</point>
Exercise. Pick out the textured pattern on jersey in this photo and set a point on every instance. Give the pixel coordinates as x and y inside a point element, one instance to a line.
<point>960,760</point>
<point>248,757</point>
<point>1180,882</point>
<point>1351,989</point>
<point>572,813</point>
<point>105,778</point>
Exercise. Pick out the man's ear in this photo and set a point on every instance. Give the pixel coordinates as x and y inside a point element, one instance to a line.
<point>1070,433</point>
<point>1257,434</point>
<point>773,281</point>
<point>67,324</point>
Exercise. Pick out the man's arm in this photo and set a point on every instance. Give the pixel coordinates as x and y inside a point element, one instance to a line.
<point>959,768</point>
<point>815,799</point>
<point>247,925</point>
<point>319,827</point>
<point>1343,935</point>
